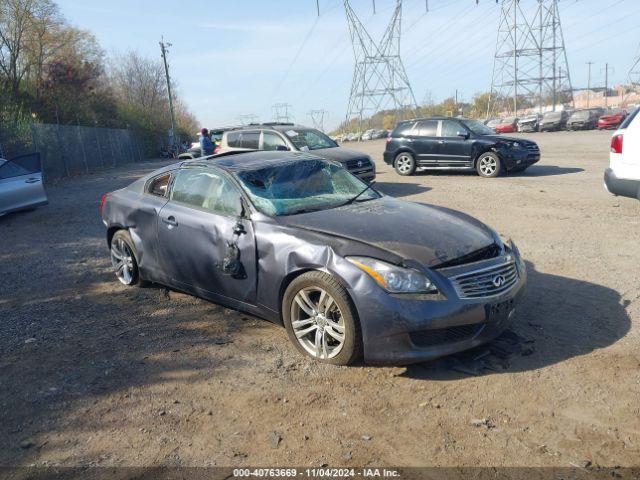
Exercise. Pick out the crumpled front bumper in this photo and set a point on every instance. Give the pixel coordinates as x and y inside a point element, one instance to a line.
<point>404,329</point>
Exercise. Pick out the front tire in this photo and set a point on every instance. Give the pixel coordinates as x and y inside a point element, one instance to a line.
<point>321,320</point>
<point>124,259</point>
<point>405,164</point>
<point>488,165</point>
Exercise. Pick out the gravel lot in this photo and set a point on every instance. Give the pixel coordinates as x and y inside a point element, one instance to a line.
<point>93,373</point>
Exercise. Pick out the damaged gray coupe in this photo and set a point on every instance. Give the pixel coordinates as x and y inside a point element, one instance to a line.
<point>352,274</point>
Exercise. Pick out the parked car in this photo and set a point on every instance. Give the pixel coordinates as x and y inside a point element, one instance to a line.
<point>612,120</point>
<point>582,120</point>
<point>623,175</point>
<point>21,184</point>
<point>379,134</point>
<point>456,144</point>
<point>298,240</point>
<point>530,123</point>
<point>508,125</point>
<point>195,151</point>
<point>296,138</point>
<point>367,135</point>
<point>493,123</point>
<point>554,121</point>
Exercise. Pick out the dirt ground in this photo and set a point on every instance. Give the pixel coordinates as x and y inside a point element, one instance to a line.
<point>94,373</point>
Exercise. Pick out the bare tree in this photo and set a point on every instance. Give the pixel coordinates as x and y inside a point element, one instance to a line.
<point>140,81</point>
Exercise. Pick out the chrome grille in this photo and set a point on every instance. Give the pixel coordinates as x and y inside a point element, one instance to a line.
<point>486,282</point>
<point>533,147</point>
<point>358,163</point>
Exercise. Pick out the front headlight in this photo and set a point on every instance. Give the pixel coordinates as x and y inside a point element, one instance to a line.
<point>392,278</point>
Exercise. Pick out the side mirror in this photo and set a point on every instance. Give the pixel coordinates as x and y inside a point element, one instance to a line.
<point>464,135</point>
<point>282,148</point>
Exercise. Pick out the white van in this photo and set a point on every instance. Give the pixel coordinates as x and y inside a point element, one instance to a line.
<point>623,175</point>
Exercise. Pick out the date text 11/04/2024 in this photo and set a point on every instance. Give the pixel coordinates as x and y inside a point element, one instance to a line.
<point>316,472</point>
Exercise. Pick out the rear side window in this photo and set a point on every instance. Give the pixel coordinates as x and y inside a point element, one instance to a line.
<point>233,139</point>
<point>629,119</point>
<point>250,140</point>
<point>158,185</point>
<point>426,128</point>
<point>403,129</point>
<point>271,141</point>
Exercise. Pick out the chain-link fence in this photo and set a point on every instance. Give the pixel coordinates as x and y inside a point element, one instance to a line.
<point>71,150</point>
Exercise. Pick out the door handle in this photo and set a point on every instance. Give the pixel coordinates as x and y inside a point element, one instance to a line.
<point>441,142</point>
<point>171,221</point>
<point>32,180</point>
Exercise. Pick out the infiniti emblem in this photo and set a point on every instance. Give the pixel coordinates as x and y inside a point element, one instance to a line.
<point>498,281</point>
<point>359,163</point>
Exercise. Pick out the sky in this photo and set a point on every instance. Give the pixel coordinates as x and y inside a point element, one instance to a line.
<point>240,57</point>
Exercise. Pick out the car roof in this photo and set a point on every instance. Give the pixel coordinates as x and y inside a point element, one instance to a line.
<point>280,126</point>
<point>252,160</point>
<point>441,117</point>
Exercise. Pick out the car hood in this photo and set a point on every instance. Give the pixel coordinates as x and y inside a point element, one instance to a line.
<point>528,120</point>
<point>339,154</point>
<point>502,138</point>
<point>428,234</point>
<point>610,117</point>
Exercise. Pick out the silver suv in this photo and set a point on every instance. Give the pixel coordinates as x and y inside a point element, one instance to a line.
<point>296,138</point>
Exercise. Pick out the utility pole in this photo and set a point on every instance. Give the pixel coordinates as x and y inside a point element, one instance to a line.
<point>589,84</point>
<point>164,49</point>
<point>634,71</point>
<point>606,84</point>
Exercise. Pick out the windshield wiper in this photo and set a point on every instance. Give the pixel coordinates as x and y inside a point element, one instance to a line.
<point>351,200</point>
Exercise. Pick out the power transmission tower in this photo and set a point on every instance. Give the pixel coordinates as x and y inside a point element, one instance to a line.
<point>248,119</point>
<point>164,48</point>
<point>380,81</point>
<point>317,118</point>
<point>281,112</point>
<point>530,64</point>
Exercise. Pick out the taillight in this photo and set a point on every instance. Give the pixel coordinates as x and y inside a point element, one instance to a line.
<point>102,201</point>
<point>616,143</point>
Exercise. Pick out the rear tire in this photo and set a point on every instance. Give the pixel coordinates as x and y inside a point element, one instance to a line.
<point>488,165</point>
<point>124,259</point>
<point>405,164</point>
<point>321,320</point>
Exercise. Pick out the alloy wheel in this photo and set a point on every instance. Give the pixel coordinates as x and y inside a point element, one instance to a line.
<point>404,163</point>
<point>317,323</point>
<point>122,261</point>
<point>488,165</point>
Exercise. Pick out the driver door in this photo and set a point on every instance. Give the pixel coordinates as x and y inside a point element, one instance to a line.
<point>453,150</point>
<point>200,229</point>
